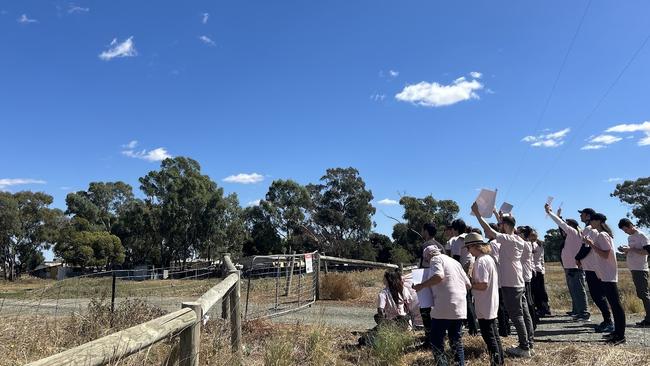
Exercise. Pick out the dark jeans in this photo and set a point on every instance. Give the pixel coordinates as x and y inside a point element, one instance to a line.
<point>492,340</point>
<point>530,304</point>
<point>596,290</point>
<point>610,291</point>
<point>426,323</point>
<point>540,297</point>
<point>453,329</point>
<point>472,325</point>
<point>515,302</point>
<point>640,279</point>
<point>502,317</point>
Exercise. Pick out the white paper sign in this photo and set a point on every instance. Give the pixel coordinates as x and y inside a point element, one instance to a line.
<point>506,207</point>
<point>486,201</point>
<point>309,267</point>
<point>416,276</point>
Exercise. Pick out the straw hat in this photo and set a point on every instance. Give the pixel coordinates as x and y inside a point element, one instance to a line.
<point>474,239</point>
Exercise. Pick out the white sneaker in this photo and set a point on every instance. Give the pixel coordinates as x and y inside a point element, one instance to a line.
<point>532,352</point>
<point>518,352</point>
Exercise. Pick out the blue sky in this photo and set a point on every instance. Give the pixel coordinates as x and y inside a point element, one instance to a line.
<point>287,89</point>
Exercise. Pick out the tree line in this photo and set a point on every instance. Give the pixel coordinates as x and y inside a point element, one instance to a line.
<point>184,215</point>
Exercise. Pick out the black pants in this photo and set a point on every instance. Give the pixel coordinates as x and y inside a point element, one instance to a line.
<point>426,323</point>
<point>595,286</point>
<point>531,304</point>
<point>502,317</point>
<point>610,291</point>
<point>492,340</point>
<point>472,325</point>
<point>540,296</point>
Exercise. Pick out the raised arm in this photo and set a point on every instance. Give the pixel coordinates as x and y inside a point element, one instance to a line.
<point>558,220</point>
<point>497,214</point>
<point>489,232</point>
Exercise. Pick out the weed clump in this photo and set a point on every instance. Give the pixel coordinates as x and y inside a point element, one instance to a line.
<point>338,286</point>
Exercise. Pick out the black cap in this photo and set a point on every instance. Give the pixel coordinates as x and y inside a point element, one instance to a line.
<point>588,211</point>
<point>599,217</point>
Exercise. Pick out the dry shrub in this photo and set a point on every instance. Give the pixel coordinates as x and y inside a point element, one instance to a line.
<point>339,286</point>
<point>279,351</point>
<point>319,348</point>
<point>390,344</point>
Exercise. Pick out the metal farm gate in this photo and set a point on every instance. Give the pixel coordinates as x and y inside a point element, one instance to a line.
<point>278,284</point>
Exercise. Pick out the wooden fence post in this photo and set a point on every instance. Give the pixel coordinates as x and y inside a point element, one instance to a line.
<point>225,310</point>
<point>190,342</point>
<point>235,317</point>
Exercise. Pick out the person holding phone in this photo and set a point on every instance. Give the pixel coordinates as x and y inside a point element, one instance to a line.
<point>637,261</point>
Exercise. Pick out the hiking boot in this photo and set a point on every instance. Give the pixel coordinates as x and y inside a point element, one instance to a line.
<point>571,313</point>
<point>518,352</point>
<point>605,327</point>
<point>643,324</point>
<point>586,317</point>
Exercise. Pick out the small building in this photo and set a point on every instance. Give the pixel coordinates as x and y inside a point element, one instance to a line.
<point>48,270</point>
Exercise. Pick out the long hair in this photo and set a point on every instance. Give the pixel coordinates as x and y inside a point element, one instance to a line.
<point>606,229</point>
<point>395,285</point>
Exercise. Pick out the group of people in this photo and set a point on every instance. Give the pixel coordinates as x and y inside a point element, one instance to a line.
<point>489,284</point>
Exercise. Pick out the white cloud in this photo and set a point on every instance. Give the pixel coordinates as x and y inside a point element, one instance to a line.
<point>65,188</point>
<point>254,203</point>
<point>157,154</point>
<point>131,145</point>
<point>378,97</point>
<point>592,147</point>
<point>204,18</point>
<point>634,127</point>
<point>124,49</point>
<point>9,182</point>
<point>553,139</point>
<point>244,178</point>
<point>72,9</point>
<point>24,19</point>
<point>393,73</point>
<point>437,95</point>
<point>388,202</point>
<point>475,74</point>
<point>207,40</point>
<point>612,180</point>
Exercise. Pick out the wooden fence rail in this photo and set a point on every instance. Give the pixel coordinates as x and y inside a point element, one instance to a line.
<point>186,321</point>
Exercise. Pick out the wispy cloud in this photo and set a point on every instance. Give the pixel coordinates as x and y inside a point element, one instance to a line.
<point>553,139</point>
<point>634,127</point>
<point>254,203</point>
<point>613,180</point>
<point>74,9</point>
<point>207,40</point>
<point>157,154</point>
<point>390,74</point>
<point>600,142</point>
<point>387,202</point>
<point>476,74</point>
<point>24,19</point>
<point>438,95</point>
<point>377,97</point>
<point>393,73</point>
<point>10,182</point>
<point>244,178</point>
<point>117,49</point>
<point>205,17</point>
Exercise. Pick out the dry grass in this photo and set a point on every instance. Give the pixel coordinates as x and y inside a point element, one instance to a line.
<point>339,286</point>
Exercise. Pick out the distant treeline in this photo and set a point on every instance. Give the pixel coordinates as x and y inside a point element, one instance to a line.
<point>185,215</point>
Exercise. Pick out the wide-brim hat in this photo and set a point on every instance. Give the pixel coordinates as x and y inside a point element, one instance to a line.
<point>474,239</point>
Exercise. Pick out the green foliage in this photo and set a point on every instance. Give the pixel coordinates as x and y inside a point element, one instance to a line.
<point>636,194</point>
<point>553,242</point>
<point>89,248</point>
<point>137,228</point>
<point>279,352</point>
<point>390,344</point>
<point>101,203</point>
<point>400,255</point>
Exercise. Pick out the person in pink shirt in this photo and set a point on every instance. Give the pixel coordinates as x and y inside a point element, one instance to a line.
<point>485,287</point>
<point>449,284</point>
<point>575,277</point>
<point>637,261</point>
<point>607,272</point>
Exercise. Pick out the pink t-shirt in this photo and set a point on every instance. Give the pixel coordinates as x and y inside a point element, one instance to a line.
<point>486,301</point>
<point>538,259</point>
<point>572,244</point>
<point>391,309</point>
<point>635,261</point>
<point>510,271</point>
<point>606,268</point>
<point>527,261</point>
<point>458,248</point>
<point>590,262</point>
<point>495,246</point>
<point>450,294</point>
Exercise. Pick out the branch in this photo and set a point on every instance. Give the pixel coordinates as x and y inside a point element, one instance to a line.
<point>399,222</point>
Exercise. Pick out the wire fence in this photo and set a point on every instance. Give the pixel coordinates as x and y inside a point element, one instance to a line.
<point>279,284</point>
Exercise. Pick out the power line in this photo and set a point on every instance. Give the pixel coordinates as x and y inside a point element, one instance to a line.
<point>589,115</point>
<point>550,94</point>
